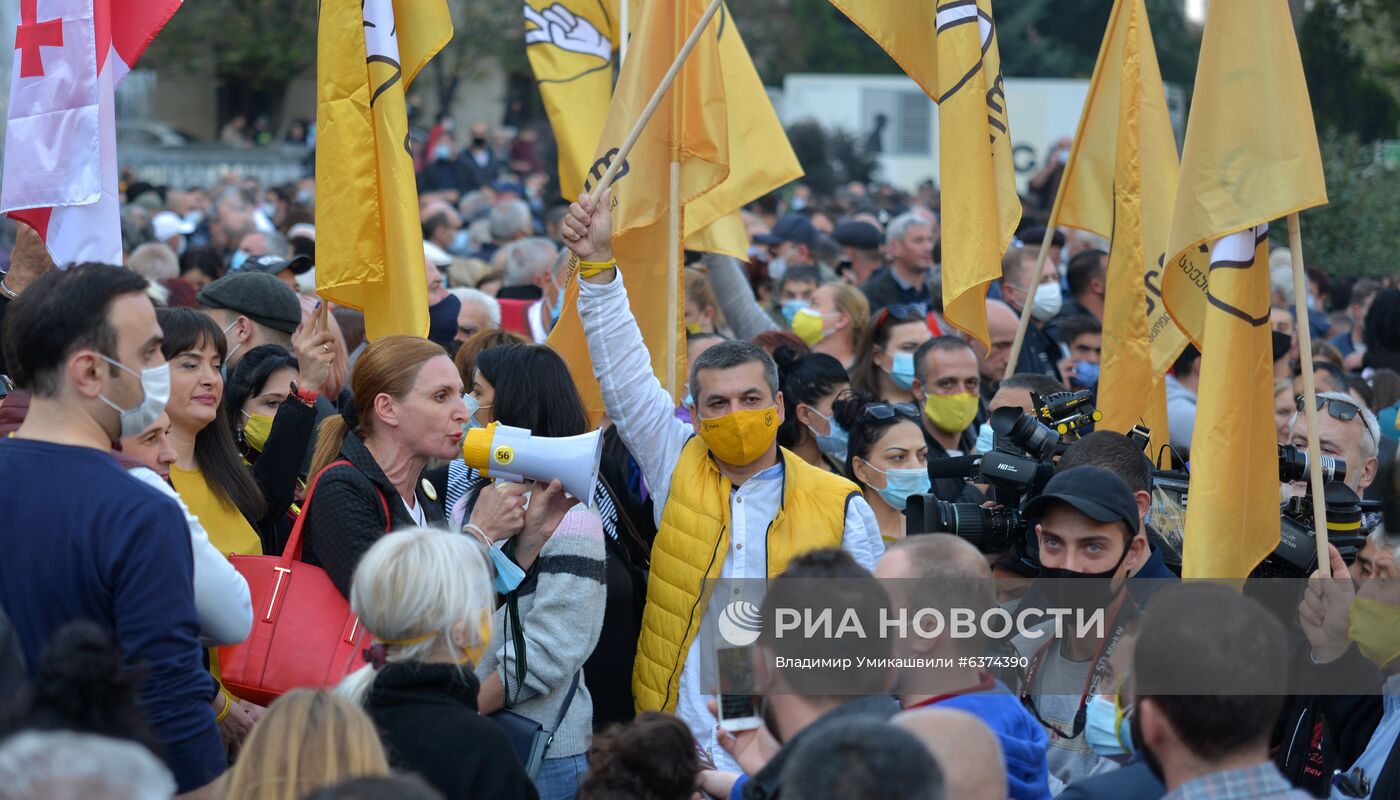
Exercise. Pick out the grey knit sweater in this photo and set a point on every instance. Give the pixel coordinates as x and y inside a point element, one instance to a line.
<point>561,612</point>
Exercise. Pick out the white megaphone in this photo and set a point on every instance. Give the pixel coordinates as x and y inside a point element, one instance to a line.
<point>514,454</point>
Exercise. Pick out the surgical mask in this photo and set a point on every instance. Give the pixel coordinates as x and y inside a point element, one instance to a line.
<point>256,430</point>
<point>776,268</point>
<point>443,152</point>
<point>1086,373</point>
<point>950,413</point>
<point>180,248</point>
<point>986,440</point>
<point>223,368</point>
<point>740,437</point>
<point>902,370</point>
<point>194,217</point>
<point>155,388</point>
<point>473,406</point>
<point>901,483</point>
<point>692,328</point>
<point>1107,727</point>
<point>557,306</point>
<point>1375,627</point>
<point>269,210</point>
<point>236,260</point>
<point>508,574</point>
<point>305,196</point>
<point>791,307</point>
<point>1047,301</point>
<point>809,325</point>
<point>833,443</point>
<point>461,240</point>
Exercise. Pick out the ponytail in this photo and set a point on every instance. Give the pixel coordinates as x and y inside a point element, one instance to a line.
<point>329,439</point>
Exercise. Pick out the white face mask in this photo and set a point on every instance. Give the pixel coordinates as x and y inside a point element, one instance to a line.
<point>1046,303</point>
<point>155,387</point>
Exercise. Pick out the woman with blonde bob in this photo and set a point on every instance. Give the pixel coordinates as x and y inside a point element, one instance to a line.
<point>308,739</point>
<point>426,597</point>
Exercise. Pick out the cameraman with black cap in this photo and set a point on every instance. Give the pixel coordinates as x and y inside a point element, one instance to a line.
<point>1090,540</point>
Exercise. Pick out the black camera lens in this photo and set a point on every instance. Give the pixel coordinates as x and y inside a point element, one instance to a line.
<point>1293,465</point>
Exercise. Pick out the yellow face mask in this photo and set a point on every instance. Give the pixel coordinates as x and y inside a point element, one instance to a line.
<point>1375,627</point>
<point>740,437</point>
<point>950,413</point>
<point>693,328</point>
<point>809,326</point>
<point>256,430</point>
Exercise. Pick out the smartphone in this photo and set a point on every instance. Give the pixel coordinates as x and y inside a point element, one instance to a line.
<point>738,710</point>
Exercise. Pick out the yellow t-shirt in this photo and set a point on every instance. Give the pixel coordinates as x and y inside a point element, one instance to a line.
<point>228,528</point>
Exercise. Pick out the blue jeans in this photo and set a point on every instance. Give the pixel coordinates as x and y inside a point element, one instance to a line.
<point>560,778</point>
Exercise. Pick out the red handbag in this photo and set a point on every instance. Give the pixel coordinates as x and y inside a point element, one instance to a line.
<point>304,634</point>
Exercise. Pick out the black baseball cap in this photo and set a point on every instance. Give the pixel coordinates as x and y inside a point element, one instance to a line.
<point>791,228</point>
<point>274,265</point>
<point>1092,491</point>
<point>1035,234</point>
<point>857,234</point>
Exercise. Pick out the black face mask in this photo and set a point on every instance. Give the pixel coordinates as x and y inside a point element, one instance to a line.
<point>1086,591</point>
<point>1155,766</point>
<point>478,142</point>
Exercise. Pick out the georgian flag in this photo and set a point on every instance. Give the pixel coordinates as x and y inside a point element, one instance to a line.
<point>61,143</point>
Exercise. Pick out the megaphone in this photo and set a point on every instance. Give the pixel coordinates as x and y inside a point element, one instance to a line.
<point>514,454</point>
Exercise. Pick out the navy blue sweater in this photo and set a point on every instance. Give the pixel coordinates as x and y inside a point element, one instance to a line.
<point>83,540</point>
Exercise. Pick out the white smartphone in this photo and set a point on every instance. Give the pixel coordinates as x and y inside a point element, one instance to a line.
<point>738,709</point>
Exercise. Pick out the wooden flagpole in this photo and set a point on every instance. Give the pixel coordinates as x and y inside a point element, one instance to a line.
<point>1300,294</point>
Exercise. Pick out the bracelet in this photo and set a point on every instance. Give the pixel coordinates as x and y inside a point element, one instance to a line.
<point>476,529</point>
<point>587,269</point>
<point>6,291</point>
<point>305,396</point>
<point>228,706</point>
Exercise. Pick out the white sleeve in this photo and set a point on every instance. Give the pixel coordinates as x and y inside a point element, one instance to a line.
<point>862,535</point>
<point>220,593</point>
<point>643,412</point>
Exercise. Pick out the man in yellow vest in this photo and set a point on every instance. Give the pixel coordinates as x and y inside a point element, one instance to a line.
<point>730,502</point>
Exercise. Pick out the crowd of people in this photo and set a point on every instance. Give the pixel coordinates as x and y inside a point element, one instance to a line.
<point>198,403</point>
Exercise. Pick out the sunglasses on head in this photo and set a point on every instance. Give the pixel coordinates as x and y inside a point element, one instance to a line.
<point>891,410</point>
<point>902,312</point>
<point>1344,410</point>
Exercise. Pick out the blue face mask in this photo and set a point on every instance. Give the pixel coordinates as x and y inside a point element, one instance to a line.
<point>1085,373</point>
<point>791,307</point>
<point>902,370</point>
<point>508,573</point>
<point>473,406</point>
<point>236,260</point>
<point>558,305</point>
<point>901,483</point>
<point>833,443</point>
<point>1107,729</point>
<point>985,438</point>
<point>460,242</point>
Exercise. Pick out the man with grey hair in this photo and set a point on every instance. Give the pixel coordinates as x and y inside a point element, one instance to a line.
<point>526,264</point>
<point>63,765</point>
<point>154,262</point>
<point>729,502</point>
<point>510,221</point>
<point>479,311</point>
<point>909,245</point>
<point>1345,429</point>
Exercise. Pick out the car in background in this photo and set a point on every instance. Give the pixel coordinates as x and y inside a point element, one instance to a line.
<point>148,133</point>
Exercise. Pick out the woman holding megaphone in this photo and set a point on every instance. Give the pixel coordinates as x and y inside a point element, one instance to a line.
<point>407,409</point>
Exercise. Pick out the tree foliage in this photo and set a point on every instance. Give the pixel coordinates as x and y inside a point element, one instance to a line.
<point>830,158</point>
<point>1356,232</point>
<point>1347,93</point>
<point>261,44</point>
<point>485,33</point>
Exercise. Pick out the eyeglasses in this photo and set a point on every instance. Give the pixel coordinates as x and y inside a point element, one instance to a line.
<point>901,312</point>
<point>891,410</point>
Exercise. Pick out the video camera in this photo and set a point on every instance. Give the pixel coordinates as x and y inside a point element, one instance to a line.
<point>1017,468</point>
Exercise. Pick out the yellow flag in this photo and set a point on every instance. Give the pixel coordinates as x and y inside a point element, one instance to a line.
<point>950,49</point>
<point>371,253</point>
<point>1251,156</point>
<point>1251,152</point>
<point>718,124</point>
<point>1120,183</point>
<point>570,44</point>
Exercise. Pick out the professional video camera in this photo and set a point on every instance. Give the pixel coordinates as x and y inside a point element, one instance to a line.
<point>1017,468</point>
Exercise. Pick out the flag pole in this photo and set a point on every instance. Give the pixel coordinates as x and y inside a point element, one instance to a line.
<point>624,28</point>
<point>1300,293</point>
<point>666,81</point>
<point>673,268</point>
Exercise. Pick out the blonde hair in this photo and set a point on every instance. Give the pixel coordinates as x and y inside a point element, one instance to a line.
<point>387,366</point>
<point>698,291</point>
<point>411,589</point>
<point>851,301</point>
<point>308,739</point>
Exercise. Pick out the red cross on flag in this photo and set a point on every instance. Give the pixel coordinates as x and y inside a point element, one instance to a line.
<point>61,143</point>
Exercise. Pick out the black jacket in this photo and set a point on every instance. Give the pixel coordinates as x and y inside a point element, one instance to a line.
<point>882,290</point>
<point>345,515</point>
<point>427,718</point>
<point>952,490</point>
<point>277,468</point>
<point>767,783</point>
<point>1133,780</point>
<point>1319,734</point>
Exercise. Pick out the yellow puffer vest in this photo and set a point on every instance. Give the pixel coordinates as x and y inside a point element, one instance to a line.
<point>691,545</point>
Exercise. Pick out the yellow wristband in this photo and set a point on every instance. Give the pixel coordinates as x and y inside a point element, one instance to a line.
<point>228,706</point>
<point>587,269</point>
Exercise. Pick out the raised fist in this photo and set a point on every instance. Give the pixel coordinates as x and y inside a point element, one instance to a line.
<point>559,26</point>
